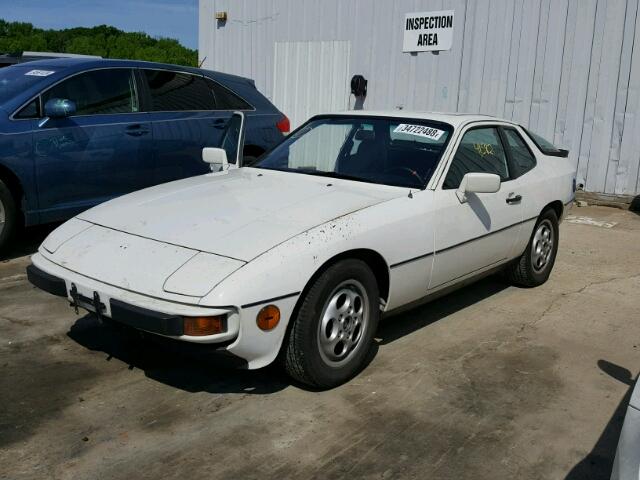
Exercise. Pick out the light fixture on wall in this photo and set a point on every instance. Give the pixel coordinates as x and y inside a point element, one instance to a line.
<point>221,16</point>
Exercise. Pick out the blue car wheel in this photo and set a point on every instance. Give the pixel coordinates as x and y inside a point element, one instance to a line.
<point>8,216</point>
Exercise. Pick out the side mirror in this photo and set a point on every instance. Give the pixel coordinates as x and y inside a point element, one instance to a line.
<point>477,183</point>
<point>59,108</point>
<point>216,157</point>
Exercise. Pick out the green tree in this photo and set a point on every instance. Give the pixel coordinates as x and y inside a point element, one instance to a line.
<point>103,40</point>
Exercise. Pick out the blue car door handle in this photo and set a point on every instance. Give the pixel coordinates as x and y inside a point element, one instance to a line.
<point>136,130</point>
<point>219,123</point>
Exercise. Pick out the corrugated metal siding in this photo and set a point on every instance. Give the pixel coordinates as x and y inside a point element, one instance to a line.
<point>309,77</point>
<point>568,69</point>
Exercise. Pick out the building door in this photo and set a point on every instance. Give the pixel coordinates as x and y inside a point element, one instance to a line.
<point>311,78</point>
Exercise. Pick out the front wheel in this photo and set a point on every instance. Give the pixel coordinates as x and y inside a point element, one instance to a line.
<point>8,216</point>
<point>333,331</point>
<point>535,264</point>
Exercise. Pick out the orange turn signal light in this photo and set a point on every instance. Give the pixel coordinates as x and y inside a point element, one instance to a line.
<point>268,317</point>
<point>201,326</point>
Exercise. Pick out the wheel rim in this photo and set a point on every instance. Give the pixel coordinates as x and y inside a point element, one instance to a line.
<point>343,323</point>
<point>542,246</point>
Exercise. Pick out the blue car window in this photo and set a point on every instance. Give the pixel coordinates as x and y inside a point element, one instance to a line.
<point>104,91</point>
<point>31,110</point>
<point>225,99</point>
<point>175,91</point>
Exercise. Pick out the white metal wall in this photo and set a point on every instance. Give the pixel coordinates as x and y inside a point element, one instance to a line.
<point>567,69</point>
<point>309,78</point>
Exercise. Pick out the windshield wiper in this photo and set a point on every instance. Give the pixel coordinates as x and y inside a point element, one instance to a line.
<point>342,176</point>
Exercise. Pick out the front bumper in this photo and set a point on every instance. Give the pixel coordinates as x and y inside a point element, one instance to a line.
<point>164,316</point>
<point>121,312</point>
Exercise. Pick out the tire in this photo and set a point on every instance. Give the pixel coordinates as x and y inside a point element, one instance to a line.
<point>8,217</point>
<point>343,300</point>
<point>535,264</point>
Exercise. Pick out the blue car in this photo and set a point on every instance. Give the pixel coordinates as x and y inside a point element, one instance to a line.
<point>75,132</point>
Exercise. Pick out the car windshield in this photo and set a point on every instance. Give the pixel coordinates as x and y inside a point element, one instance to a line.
<point>18,78</point>
<point>391,151</point>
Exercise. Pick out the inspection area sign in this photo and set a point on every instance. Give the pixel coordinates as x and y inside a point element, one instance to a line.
<point>428,31</point>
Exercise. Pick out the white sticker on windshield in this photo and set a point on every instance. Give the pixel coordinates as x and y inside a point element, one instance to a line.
<point>39,73</point>
<point>419,131</point>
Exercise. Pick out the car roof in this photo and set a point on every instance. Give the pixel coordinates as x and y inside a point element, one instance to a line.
<point>84,63</point>
<point>454,119</point>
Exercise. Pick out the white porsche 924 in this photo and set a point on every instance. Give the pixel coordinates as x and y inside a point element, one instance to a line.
<point>354,215</point>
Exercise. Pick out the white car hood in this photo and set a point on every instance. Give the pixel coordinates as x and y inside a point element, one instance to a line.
<point>239,214</point>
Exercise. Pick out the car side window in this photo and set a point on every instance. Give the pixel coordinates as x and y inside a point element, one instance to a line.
<point>30,110</point>
<point>480,151</point>
<point>225,99</point>
<point>175,91</point>
<point>104,91</point>
<point>522,158</point>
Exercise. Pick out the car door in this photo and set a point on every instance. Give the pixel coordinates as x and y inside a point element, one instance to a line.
<point>99,152</point>
<point>481,232</point>
<point>530,181</point>
<point>184,120</point>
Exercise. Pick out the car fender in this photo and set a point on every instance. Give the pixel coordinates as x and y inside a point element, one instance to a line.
<point>280,275</point>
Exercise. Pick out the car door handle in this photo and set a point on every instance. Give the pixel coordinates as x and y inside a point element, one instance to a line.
<point>136,130</point>
<point>514,199</point>
<point>219,123</point>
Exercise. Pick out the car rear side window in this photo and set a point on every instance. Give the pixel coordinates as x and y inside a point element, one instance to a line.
<point>545,146</point>
<point>175,91</point>
<point>480,151</point>
<point>104,91</point>
<point>522,158</point>
<point>227,100</point>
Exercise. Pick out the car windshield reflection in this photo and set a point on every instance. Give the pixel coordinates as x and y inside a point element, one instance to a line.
<point>390,151</point>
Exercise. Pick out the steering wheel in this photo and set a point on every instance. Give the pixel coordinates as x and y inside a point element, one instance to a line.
<point>413,173</point>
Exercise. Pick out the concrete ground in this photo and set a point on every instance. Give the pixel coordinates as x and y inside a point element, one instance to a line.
<point>489,382</point>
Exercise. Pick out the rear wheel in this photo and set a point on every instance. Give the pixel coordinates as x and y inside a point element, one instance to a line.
<point>8,216</point>
<point>333,331</point>
<point>535,264</point>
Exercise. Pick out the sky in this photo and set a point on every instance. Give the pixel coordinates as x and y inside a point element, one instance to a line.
<point>159,18</point>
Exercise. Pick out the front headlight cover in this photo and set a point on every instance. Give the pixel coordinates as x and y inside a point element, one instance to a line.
<point>200,274</point>
<point>63,233</point>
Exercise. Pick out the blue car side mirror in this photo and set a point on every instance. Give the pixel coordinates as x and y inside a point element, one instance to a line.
<point>59,108</point>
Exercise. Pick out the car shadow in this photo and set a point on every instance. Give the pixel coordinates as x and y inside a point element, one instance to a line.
<point>167,362</point>
<point>397,326</point>
<point>27,241</point>
<point>599,462</point>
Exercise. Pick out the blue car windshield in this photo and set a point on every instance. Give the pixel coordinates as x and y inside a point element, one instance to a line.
<point>18,78</point>
<point>402,152</point>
